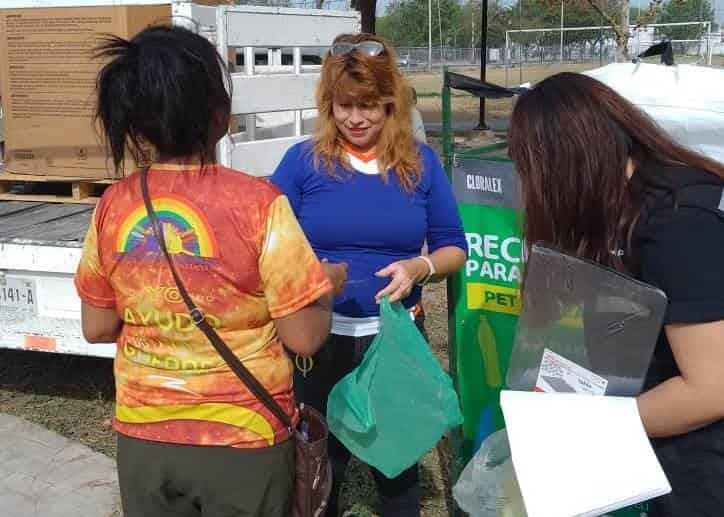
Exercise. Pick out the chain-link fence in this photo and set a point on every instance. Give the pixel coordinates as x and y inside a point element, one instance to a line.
<point>595,45</point>
<point>598,44</point>
<point>411,59</point>
<point>417,59</point>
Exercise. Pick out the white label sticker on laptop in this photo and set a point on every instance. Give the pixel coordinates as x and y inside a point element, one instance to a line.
<point>559,375</point>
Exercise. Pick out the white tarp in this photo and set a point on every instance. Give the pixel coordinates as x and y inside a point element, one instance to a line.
<point>686,100</point>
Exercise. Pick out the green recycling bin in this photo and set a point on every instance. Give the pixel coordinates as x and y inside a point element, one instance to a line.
<point>485,300</point>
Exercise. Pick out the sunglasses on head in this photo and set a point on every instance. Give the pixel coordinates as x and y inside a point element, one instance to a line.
<point>370,48</point>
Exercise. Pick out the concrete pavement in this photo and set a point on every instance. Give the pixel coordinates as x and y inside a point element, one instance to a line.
<point>43,474</point>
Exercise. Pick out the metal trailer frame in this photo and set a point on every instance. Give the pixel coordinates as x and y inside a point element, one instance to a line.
<point>40,247</point>
<point>274,88</point>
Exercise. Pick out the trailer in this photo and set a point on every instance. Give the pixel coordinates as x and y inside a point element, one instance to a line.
<point>41,241</point>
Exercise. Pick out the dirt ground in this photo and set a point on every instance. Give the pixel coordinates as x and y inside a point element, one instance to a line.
<point>74,397</point>
<point>465,107</point>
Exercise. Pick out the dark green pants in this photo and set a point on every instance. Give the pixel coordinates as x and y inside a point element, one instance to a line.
<point>166,480</point>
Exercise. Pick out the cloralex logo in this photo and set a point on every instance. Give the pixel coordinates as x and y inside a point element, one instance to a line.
<point>484,183</point>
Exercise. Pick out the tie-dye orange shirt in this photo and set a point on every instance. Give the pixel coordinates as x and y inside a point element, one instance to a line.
<point>244,260</point>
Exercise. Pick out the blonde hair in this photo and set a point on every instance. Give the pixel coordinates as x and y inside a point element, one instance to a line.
<point>369,79</point>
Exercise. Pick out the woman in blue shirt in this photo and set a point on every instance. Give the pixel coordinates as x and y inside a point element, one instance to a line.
<point>367,194</point>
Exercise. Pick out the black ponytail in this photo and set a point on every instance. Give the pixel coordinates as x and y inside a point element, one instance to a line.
<point>160,92</point>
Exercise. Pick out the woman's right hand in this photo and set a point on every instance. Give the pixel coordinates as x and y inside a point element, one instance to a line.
<point>337,274</point>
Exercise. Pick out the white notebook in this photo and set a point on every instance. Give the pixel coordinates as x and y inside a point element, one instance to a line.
<point>580,455</point>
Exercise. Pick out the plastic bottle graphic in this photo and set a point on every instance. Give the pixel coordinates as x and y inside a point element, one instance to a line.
<point>489,350</point>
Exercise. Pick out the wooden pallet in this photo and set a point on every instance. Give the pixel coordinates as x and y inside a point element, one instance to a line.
<point>51,189</point>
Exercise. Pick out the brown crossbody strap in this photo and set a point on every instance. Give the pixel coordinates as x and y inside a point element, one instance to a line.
<point>199,319</point>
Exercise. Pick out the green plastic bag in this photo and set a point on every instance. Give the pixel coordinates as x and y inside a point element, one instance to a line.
<point>397,404</point>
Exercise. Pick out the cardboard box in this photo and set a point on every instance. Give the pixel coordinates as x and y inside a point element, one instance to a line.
<point>48,79</point>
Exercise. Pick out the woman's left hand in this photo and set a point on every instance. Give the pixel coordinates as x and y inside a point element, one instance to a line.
<point>404,275</point>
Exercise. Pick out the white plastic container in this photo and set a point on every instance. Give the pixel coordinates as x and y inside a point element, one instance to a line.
<point>686,100</point>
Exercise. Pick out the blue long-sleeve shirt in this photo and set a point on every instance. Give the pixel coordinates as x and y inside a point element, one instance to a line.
<point>368,223</point>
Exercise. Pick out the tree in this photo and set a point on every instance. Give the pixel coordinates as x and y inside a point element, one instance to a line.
<point>547,13</point>
<point>616,13</point>
<point>498,22</point>
<point>691,10</point>
<point>368,11</point>
<point>406,23</point>
<point>383,27</point>
<point>498,18</point>
<point>620,15</point>
<point>677,11</point>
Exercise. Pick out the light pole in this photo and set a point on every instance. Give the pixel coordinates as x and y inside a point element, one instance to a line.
<point>483,59</point>
<point>472,28</point>
<point>429,35</point>
<point>561,59</point>
<point>442,44</point>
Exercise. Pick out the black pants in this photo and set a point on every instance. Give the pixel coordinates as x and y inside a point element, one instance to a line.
<point>694,464</point>
<point>313,381</point>
<point>166,480</point>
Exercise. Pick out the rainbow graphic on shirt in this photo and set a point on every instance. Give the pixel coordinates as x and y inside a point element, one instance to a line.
<point>186,230</point>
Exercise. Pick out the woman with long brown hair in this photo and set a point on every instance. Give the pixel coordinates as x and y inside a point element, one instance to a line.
<point>366,194</point>
<point>601,180</point>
